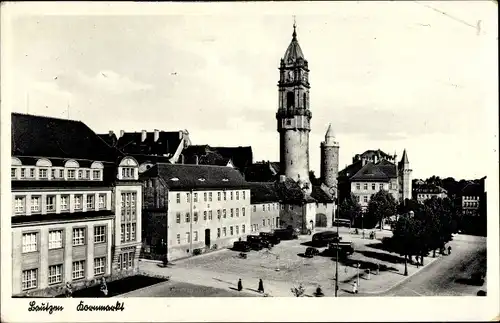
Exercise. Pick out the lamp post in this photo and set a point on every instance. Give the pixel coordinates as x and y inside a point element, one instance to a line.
<point>335,216</point>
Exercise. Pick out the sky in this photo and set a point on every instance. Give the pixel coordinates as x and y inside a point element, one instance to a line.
<point>418,76</point>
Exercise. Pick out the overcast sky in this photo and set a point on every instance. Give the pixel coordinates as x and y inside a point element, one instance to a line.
<point>386,75</point>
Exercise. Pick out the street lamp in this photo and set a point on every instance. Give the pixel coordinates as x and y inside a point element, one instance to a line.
<point>358,274</point>
<point>335,215</point>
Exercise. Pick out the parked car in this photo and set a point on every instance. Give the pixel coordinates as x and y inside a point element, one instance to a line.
<point>321,239</point>
<point>311,252</point>
<point>242,246</point>
<point>254,239</point>
<point>477,279</point>
<point>270,237</point>
<point>345,249</point>
<point>286,234</point>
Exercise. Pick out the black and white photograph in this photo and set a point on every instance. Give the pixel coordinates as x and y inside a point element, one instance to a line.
<point>179,153</point>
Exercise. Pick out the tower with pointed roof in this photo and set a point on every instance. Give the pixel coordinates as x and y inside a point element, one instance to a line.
<point>330,160</point>
<point>404,174</point>
<point>294,116</point>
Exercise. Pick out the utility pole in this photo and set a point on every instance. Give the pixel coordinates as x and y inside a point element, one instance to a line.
<point>335,210</point>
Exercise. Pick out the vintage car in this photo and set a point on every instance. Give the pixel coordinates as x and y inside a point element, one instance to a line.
<point>242,246</point>
<point>258,242</point>
<point>273,239</point>
<point>311,252</point>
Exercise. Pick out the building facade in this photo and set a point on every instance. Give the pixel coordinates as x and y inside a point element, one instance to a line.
<point>423,191</point>
<point>189,209</point>
<point>66,186</point>
<point>373,171</point>
<point>265,206</point>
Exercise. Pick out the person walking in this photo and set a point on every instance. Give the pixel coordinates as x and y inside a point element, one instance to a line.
<point>261,286</point>
<point>240,285</point>
<point>104,287</point>
<point>69,290</point>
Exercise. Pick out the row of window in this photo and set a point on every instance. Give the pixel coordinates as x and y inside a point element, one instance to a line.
<point>58,173</point>
<point>56,273</point>
<point>208,196</point>
<point>224,233</point>
<point>64,203</point>
<point>472,198</point>
<point>471,204</point>
<point>426,196</point>
<point>273,206</point>
<point>30,240</point>
<point>373,186</point>
<point>255,227</point>
<point>221,213</point>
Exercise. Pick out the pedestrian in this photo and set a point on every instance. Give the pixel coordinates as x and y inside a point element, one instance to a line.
<point>319,292</point>
<point>261,286</point>
<point>355,288</point>
<point>104,287</point>
<point>69,290</point>
<point>240,285</point>
<point>449,250</point>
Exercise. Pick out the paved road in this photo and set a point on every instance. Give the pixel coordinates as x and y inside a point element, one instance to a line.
<point>447,276</point>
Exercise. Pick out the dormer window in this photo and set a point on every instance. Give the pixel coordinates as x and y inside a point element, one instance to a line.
<point>42,173</point>
<point>225,180</point>
<point>128,172</point>
<point>71,174</point>
<point>174,179</point>
<point>201,179</point>
<point>13,173</point>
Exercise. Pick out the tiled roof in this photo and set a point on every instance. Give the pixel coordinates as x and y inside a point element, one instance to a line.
<point>40,136</point>
<point>352,169</point>
<point>370,172</point>
<point>61,216</point>
<point>263,192</point>
<point>320,195</point>
<point>261,172</point>
<point>167,143</point>
<point>185,177</point>
<point>472,189</point>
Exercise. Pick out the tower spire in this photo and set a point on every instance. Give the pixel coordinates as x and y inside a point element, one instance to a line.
<point>294,35</point>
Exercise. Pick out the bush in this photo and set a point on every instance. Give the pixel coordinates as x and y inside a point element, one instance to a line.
<point>197,252</point>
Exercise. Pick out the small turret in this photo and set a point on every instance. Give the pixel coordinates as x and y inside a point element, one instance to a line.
<point>329,159</point>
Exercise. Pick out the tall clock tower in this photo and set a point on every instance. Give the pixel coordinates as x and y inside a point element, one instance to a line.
<point>293,116</point>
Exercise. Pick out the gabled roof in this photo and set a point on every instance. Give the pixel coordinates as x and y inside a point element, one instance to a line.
<point>186,177</point>
<point>263,192</point>
<point>371,172</point>
<point>262,172</point>
<point>167,143</point>
<point>472,189</point>
<point>40,136</point>
<point>320,195</point>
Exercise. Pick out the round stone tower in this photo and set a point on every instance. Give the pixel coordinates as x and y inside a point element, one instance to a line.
<point>330,160</point>
<point>293,116</point>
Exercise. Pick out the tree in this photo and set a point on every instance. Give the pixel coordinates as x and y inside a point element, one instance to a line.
<point>349,208</point>
<point>382,205</point>
<point>403,238</point>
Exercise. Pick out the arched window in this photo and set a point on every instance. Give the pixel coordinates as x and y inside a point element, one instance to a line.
<point>305,100</point>
<point>290,100</point>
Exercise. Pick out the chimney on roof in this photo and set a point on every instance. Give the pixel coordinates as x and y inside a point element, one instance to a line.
<point>143,135</point>
<point>157,135</point>
<point>122,132</point>
<point>282,178</point>
<point>111,133</point>
<point>196,159</point>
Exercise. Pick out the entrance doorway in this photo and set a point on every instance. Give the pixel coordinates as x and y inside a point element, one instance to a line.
<point>207,237</point>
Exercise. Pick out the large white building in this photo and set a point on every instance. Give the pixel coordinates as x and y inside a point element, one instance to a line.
<point>76,207</point>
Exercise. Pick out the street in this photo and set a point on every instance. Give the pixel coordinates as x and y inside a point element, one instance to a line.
<point>447,276</point>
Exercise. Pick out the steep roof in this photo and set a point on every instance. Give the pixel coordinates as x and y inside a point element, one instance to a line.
<point>241,157</point>
<point>381,171</point>
<point>320,195</point>
<point>351,170</point>
<point>263,192</point>
<point>293,52</point>
<point>40,136</point>
<point>186,177</point>
<point>262,172</point>
<point>472,189</point>
<point>167,143</point>
<point>109,138</point>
